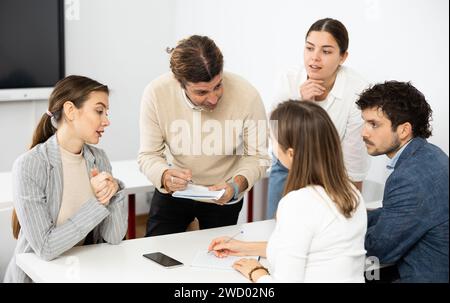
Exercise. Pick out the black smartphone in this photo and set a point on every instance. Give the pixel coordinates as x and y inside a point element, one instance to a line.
<point>163,260</point>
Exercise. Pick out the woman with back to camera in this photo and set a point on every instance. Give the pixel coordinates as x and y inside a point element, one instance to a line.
<point>335,88</point>
<point>64,193</point>
<point>321,220</point>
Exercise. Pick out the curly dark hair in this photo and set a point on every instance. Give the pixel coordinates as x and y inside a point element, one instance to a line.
<point>401,102</point>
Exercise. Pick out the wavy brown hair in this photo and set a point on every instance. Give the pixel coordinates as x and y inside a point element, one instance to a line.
<point>318,160</point>
<point>196,59</point>
<point>72,88</point>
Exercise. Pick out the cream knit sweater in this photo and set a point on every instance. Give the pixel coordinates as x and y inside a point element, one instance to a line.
<point>216,145</point>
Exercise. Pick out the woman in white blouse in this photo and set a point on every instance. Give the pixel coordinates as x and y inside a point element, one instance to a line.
<point>335,88</point>
<point>321,221</point>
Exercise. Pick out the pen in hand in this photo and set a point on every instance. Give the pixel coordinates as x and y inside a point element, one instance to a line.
<point>172,167</point>
<point>231,238</point>
<point>234,236</point>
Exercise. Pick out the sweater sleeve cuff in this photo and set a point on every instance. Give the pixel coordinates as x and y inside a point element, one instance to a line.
<point>156,174</point>
<point>248,177</point>
<point>120,194</point>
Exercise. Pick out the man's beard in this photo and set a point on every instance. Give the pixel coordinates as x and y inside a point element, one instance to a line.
<point>393,148</point>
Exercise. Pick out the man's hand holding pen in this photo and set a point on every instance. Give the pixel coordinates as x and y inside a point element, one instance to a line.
<point>176,179</point>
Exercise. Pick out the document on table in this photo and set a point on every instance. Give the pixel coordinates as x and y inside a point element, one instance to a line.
<point>198,192</point>
<point>209,260</point>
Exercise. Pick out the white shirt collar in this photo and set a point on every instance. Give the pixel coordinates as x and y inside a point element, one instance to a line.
<point>339,84</point>
<point>393,161</point>
<point>189,102</point>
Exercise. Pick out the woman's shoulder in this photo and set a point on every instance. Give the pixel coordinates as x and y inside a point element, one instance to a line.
<point>353,77</point>
<point>304,198</point>
<point>35,160</point>
<point>301,207</point>
<point>314,197</point>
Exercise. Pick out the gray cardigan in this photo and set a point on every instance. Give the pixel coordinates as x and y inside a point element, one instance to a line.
<point>37,193</point>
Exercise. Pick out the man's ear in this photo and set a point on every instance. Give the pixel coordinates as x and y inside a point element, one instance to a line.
<point>405,131</point>
<point>69,110</point>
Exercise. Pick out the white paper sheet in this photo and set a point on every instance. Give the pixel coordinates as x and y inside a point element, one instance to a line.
<point>209,260</point>
<point>196,192</point>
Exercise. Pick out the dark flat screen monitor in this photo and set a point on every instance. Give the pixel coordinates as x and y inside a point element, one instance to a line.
<point>31,47</point>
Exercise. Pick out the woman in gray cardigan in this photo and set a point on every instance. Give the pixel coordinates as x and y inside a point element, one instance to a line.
<point>64,193</point>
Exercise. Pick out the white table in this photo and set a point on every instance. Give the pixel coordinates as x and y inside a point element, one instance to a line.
<point>125,263</point>
<point>135,183</point>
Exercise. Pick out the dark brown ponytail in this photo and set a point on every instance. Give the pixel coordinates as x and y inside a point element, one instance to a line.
<point>75,89</point>
<point>44,130</point>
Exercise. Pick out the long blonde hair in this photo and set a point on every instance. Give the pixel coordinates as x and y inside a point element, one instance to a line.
<point>307,129</point>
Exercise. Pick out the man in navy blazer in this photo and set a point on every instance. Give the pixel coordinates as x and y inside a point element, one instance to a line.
<point>411,229</point>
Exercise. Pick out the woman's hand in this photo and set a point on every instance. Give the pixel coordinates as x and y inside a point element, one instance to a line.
<point>104,186</point>
<point>310,89</point>
<point>223,247</point>
<point>245,266</point>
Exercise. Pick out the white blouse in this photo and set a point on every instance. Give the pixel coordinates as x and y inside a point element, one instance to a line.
<point>313,242</point>
<point>341,107</point>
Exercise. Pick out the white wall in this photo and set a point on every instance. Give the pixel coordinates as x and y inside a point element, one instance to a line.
<point>17,121</point>
<point>406,40</point>
<point>121,43</point>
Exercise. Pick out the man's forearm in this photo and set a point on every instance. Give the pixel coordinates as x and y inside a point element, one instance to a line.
<point>242,183</point>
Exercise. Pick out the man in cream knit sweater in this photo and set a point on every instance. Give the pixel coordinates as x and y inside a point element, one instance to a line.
<point>201,125</point>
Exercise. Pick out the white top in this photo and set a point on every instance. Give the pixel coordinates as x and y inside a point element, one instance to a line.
<point>313,242</point>
<point>341,107</point>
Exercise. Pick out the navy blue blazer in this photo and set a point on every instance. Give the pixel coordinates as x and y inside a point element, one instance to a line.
<point>411,229</point>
